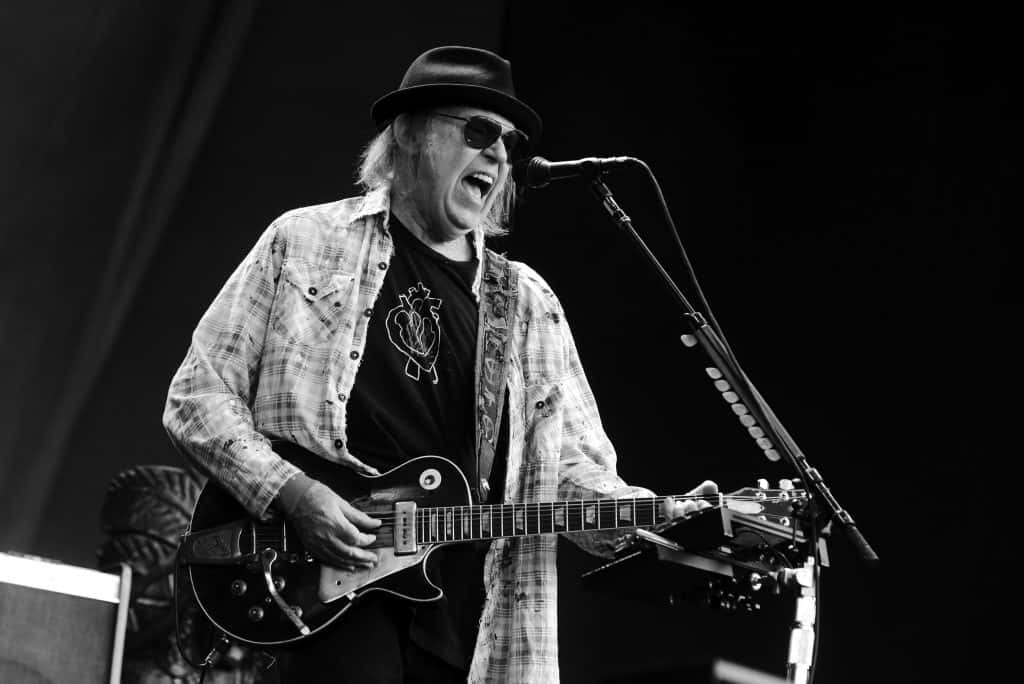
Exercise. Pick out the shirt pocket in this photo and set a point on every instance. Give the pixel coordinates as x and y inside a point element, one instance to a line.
<point>543,421</point>
<point>311,302</point>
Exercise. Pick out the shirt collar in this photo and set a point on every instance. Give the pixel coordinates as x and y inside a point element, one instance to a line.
<point>377,201</point>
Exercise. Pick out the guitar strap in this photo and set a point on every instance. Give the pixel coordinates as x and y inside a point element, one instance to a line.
<point>498,290</point>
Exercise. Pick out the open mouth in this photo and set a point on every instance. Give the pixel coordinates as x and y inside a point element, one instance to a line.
<point>479,184</point>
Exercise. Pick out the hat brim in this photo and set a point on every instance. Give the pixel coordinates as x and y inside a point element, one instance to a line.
<point>419,97</point>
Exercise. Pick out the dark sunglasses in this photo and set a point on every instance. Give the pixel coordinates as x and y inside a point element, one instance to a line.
<point>481,132</point>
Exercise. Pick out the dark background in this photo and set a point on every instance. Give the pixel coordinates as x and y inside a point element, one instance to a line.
<point>839,180</point>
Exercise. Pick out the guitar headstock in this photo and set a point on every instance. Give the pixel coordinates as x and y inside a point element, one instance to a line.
<point>779,505</point>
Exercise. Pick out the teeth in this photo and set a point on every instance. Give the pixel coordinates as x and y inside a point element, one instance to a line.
<point>486,179</point>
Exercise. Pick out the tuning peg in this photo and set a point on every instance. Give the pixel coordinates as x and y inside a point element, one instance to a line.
<point>762,483</point>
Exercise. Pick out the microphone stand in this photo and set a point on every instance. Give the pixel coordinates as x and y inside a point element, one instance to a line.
<point>762,423</point>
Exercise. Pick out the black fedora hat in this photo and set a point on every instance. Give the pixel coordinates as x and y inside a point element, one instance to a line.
<point>458,75</point>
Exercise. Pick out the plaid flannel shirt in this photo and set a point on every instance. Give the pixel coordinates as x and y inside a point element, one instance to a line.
<point>276,355</point>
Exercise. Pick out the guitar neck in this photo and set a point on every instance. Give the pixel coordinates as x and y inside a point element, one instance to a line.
<point>469,523</point>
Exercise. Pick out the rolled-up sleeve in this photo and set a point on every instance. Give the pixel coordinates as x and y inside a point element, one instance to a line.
<point>208,414</point>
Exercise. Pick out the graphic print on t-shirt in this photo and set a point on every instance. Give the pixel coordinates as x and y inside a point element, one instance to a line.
<point>413,327</point>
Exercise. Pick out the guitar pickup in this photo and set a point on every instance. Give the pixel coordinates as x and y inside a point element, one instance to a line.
<point>405,528</point>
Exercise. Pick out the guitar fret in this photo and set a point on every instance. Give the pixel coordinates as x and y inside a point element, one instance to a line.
<point>489,521</point>
<point>652,506</point>
<point>607,514</point>
<point>626,512</point>
<point>558,521</point>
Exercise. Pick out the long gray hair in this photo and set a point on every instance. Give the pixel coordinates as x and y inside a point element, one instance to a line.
<point>380,159</point>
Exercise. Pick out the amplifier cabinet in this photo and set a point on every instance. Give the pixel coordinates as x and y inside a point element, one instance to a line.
<point>60,623</point>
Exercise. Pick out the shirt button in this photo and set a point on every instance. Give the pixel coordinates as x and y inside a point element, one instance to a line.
<point>368,313</point>
<point>312,291</point>
<point>341,396</point>
<point>382,266</point>
<point>539,405</point>
<point>353,355</point>
<point>339,443</point>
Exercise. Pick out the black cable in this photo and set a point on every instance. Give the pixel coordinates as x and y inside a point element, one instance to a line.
<point>202,667</point>
<point>701,299</point>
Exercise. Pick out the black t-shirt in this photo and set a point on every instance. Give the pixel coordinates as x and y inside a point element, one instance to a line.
<point>413,395</point>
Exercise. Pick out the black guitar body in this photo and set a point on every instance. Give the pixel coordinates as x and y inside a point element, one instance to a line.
<point>230,556</point>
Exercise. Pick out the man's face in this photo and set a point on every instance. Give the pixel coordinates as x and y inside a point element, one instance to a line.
<point>455,185</point>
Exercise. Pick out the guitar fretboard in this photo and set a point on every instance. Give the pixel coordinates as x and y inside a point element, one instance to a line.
<point>467,523</point>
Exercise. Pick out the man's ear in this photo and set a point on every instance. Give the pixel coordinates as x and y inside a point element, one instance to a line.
<point>406,132</point>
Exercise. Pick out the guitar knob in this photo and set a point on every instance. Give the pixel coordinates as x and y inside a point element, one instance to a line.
<point>239,587</point>
<point>279,583</point>
<point>297,610</point>
<point>762,483</point>
<point>256,613</point>
<point>785,484</point>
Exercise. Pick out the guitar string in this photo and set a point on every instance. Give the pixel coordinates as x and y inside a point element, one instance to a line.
<point>603,505</point>
<point>460,518</point>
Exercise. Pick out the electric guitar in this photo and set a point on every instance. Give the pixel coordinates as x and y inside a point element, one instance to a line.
<point>256,583</point>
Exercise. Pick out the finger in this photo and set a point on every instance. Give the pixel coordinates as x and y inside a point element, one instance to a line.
<point>705,488</point>
<point>350,534</point>
<point>683,508</point>
<point>329,554</point>
<point>342,553</point>
<point>668,508</point>
<point>359,518</point>
<point>361,557</point>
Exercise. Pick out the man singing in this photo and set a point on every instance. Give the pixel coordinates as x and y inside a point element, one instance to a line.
<point>379,328</point>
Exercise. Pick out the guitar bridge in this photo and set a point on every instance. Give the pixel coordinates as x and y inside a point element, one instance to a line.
<point>405,528</point>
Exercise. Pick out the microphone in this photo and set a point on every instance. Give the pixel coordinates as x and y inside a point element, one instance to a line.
<point>536,172</point>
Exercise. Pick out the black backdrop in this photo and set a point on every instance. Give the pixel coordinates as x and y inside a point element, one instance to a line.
<point>839,182</point>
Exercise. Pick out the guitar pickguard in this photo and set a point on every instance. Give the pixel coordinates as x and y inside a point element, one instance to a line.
<point>337,584</point>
